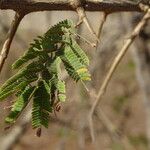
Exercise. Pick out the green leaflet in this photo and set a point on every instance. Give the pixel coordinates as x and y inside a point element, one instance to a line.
<point>21,79</point>
<point>71,71</point>
<point>79,52</point>
<point>20,104</point>
<point>16,79</point>
<point>45,44</point>
<point>57,34</point>
<point>74,67</point>
<point>29,55</point>
<point>32,53</point>
<point>53,82</point>
<point>61,90</point>
<point>59,29</point>
<point>41,106</point>
<point>12,88</point>
<point>30,69</point>
<point>54,66</point>
<point>40,66</point>
<point>47,86</point>
<point>58,87</point>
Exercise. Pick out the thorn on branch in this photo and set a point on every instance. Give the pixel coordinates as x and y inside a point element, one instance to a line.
<point>103,20</point>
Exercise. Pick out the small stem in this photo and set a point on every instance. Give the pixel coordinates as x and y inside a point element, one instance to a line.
<point>104,16</point>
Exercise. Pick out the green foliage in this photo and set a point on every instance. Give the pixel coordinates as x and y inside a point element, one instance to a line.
<point>61,90</point>
<point>79,52</point>
<point>39,73</point>
<point>41,106</point>
<point>20,104</point>
<point>74,67</point>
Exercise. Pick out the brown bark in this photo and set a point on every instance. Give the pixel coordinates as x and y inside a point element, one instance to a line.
<point>109,6</point>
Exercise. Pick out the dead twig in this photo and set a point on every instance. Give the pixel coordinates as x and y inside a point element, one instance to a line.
<point>113,67</point>
<point>11,33</point>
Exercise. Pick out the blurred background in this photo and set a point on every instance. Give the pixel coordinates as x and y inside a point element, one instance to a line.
<point>122,121</point>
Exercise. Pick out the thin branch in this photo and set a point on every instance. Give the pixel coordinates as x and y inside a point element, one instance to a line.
<point>103,20</point>
<point>113,67</point>
<point>8,41</point>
